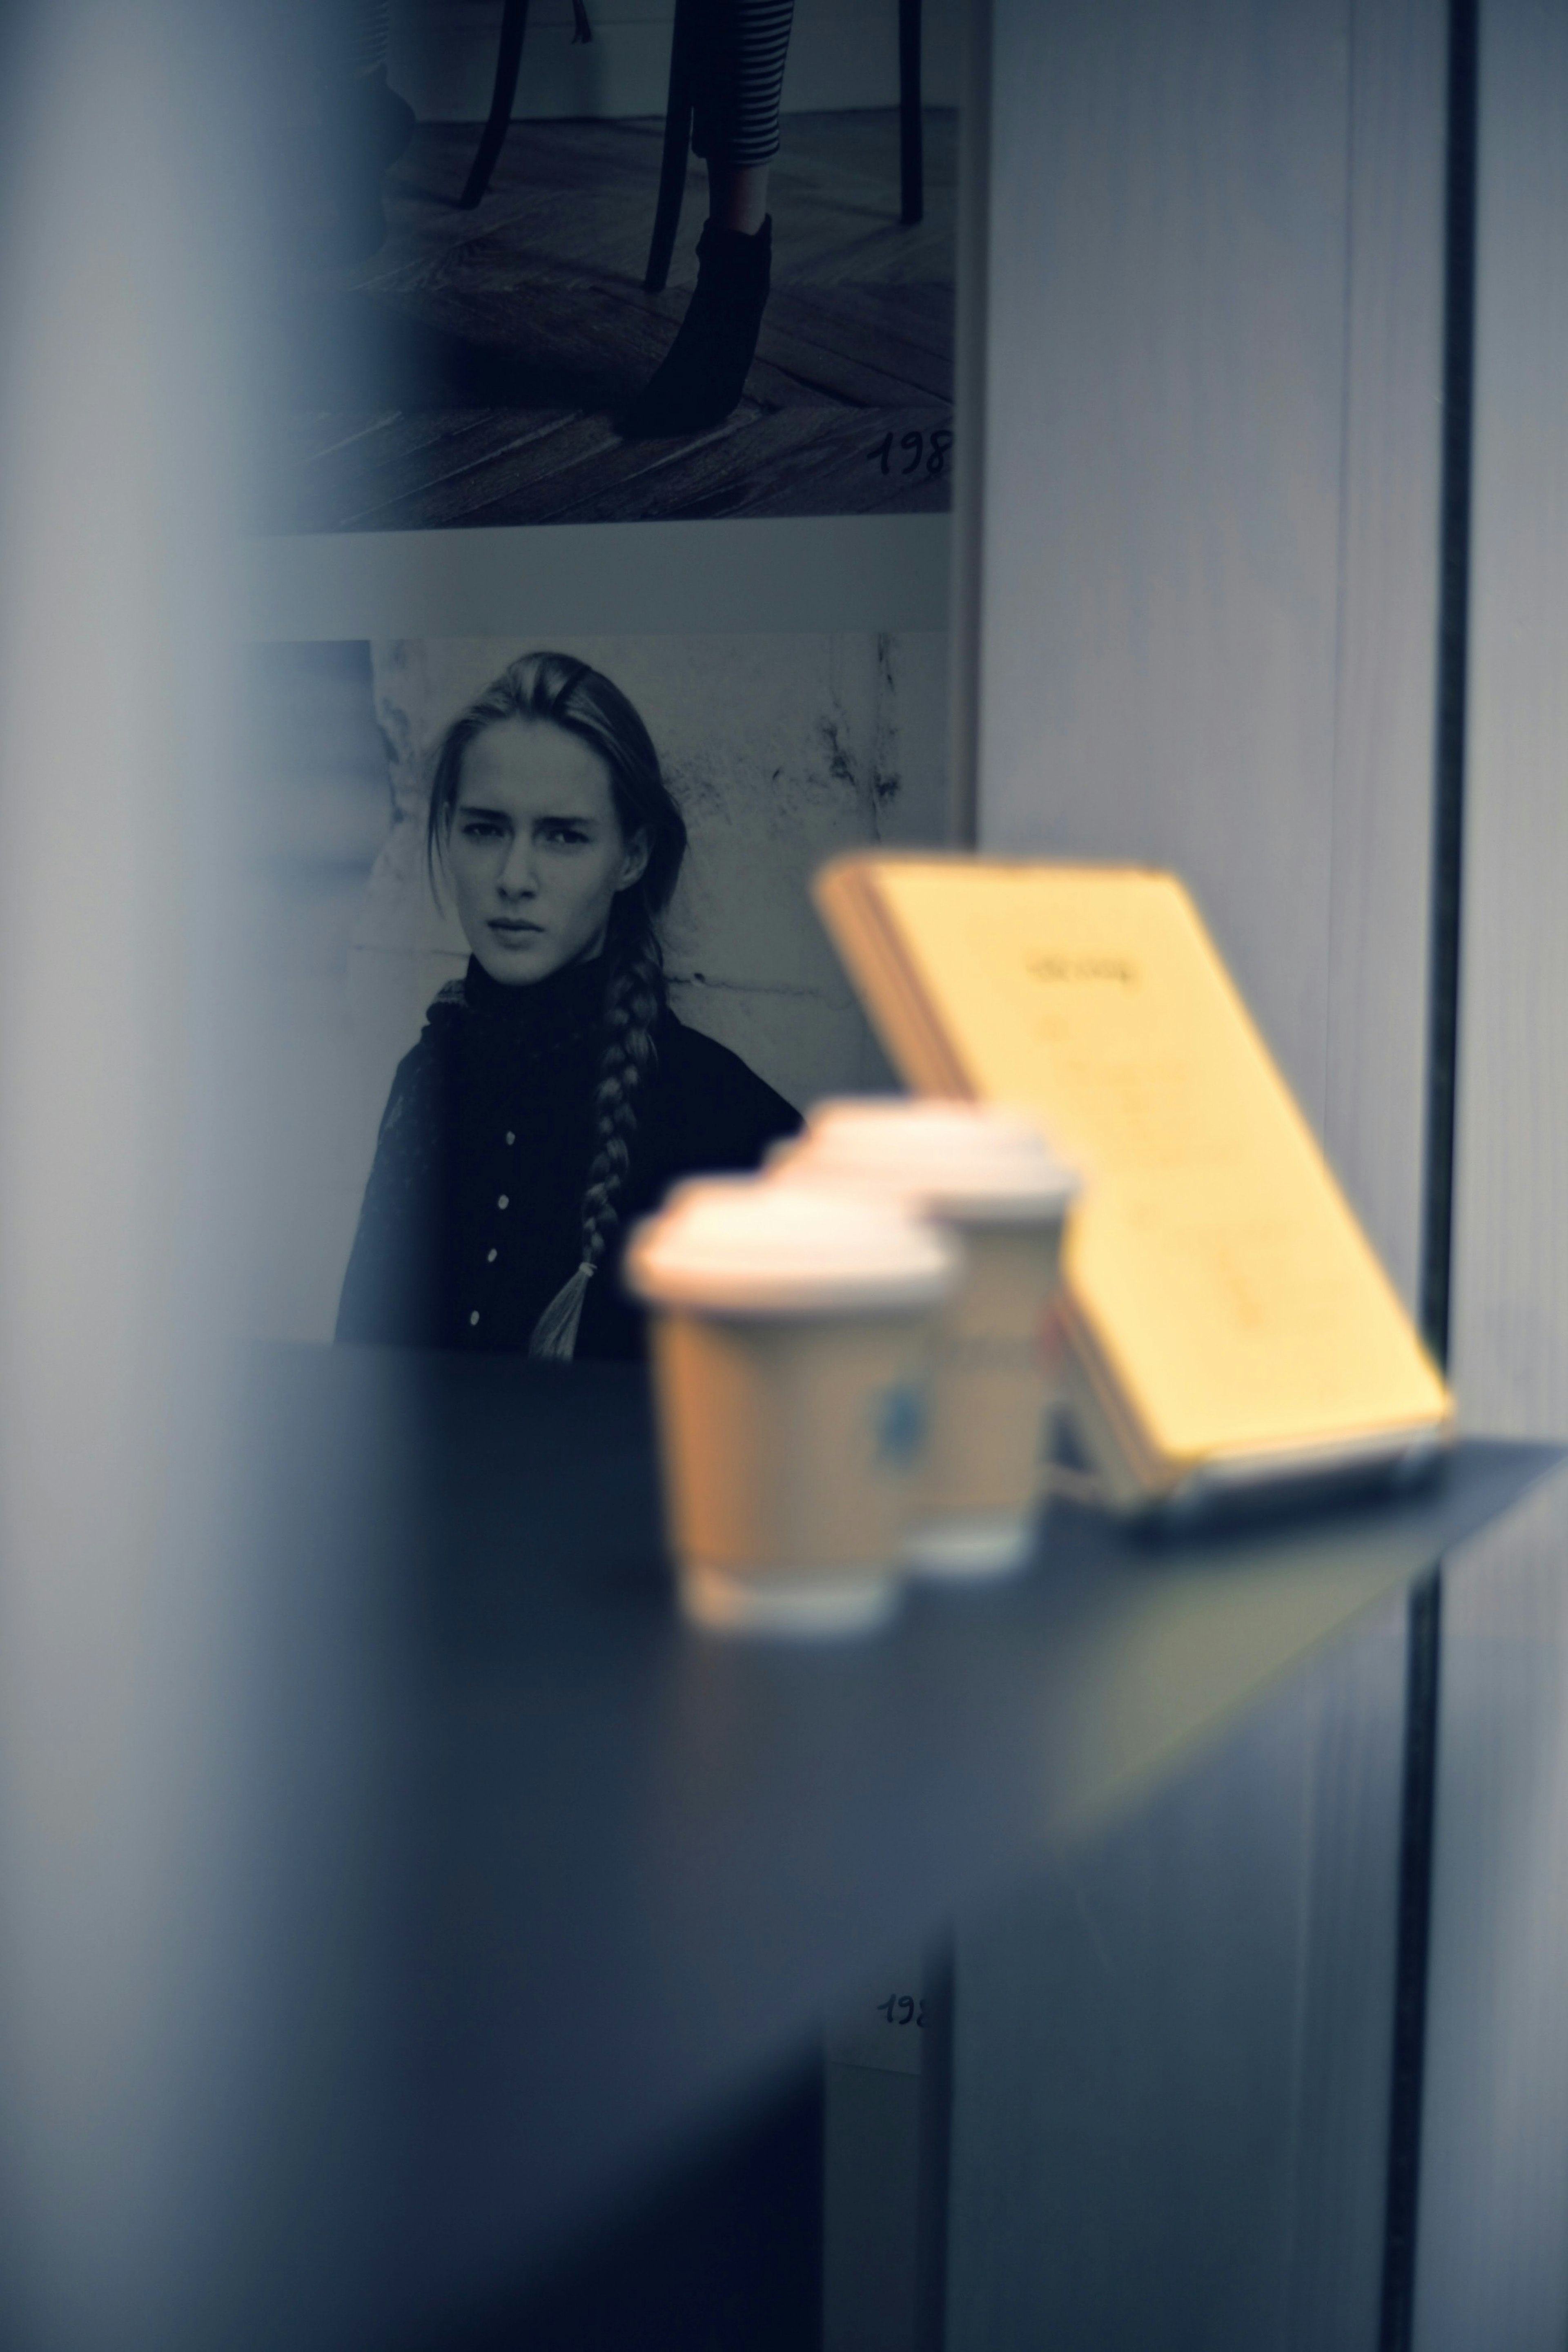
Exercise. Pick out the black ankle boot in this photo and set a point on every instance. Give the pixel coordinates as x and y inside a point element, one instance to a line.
<point>703,373</point>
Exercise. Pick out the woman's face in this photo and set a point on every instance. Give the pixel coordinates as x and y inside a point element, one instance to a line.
<point>534,850</point>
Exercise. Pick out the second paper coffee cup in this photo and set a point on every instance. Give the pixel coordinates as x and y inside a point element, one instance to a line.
<point>989,1174</point>
<point>792,1338</point>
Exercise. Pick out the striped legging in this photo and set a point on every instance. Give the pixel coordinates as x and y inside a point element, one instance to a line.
<point>740,52</point>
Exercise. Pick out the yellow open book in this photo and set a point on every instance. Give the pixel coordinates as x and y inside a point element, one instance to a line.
<point>1227,1321</point>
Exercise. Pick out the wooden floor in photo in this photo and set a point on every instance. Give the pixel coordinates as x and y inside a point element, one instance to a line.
<point>471,372</point>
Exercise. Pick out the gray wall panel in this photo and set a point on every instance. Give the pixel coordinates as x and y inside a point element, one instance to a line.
<point>1376,969</point>
<point>1207,527</point>
<point>1169,226</point>
<point>1493,2247</point>
<point>1210,505</point>
<point>1510,1273</point>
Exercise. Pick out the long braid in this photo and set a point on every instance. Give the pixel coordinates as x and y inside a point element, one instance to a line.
<point>560,690</point>
<point>633,1002</point>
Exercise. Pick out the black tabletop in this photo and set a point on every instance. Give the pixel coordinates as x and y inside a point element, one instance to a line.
<point>552,1877</point>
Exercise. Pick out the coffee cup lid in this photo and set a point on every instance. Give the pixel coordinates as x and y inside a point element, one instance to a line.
<point>983,1162</point>
<point>741,1246</point>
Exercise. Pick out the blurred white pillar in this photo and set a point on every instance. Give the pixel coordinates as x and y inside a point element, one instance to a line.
<point>116,945</point>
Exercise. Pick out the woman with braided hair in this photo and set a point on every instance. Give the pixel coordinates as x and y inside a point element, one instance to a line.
<point>552,1095</point>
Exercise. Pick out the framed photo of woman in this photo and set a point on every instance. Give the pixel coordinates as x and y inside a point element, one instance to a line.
<point>536,943</point>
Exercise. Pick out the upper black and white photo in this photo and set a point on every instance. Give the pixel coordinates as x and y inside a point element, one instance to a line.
<point>608,260</point>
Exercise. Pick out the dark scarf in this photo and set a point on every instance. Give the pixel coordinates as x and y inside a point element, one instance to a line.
<point>496,1063</point>
<point>521,1062</point>
<point>534,1026</point>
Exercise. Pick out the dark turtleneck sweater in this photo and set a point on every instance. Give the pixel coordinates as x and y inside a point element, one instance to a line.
<point>472,1217</point>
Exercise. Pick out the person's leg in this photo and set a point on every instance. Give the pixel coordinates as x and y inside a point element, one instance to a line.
<point>743,47</point>
<point>738,197</point>
<point>365,126</point>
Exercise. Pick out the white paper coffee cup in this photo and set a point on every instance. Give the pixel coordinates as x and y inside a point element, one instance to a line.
<point>990,1175</point>
<point>792,1341</point>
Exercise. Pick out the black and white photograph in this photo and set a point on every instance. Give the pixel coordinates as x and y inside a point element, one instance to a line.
<point>608,260</point>
<point>534,942</point>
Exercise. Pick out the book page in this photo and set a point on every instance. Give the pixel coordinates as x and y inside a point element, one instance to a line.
<point>1221,1269</point>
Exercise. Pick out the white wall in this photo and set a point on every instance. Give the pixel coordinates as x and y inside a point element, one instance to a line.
<point>1207,573</point>
<point>1209,598</point>
<point>843,53</point>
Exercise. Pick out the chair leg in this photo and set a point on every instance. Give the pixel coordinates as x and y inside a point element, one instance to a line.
<point>677,146</point>
<point>911,140</point>
<point>508,61</point>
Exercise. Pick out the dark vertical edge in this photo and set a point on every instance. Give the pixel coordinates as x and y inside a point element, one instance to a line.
<point>973,271</point>
<point>934,2174</point>
<point>1424,1658</point>
<point>1453,628</point>
<point>1416,1833</point>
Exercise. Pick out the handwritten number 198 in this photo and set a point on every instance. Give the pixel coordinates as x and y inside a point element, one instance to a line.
<point>902,2008</point>
<point>928,449</point>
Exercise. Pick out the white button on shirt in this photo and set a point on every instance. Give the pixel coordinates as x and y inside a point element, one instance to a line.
<point>474,1318</point>
<point>501,1200</point>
